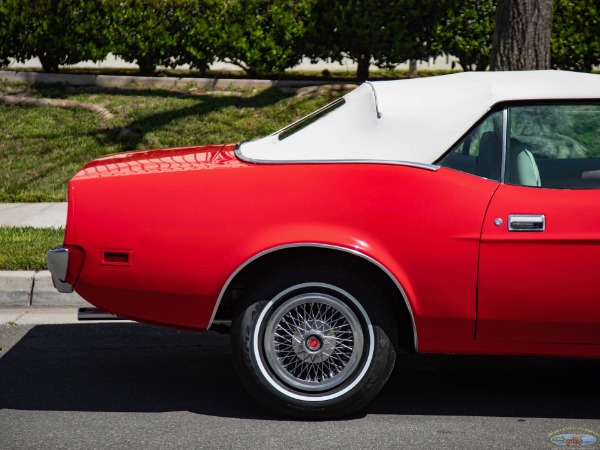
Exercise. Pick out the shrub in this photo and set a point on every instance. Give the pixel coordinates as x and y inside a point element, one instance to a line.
<point>58,32</point>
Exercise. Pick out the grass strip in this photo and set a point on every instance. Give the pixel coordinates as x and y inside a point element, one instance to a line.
<point>24,248</point>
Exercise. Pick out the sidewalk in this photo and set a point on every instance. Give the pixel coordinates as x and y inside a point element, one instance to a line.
<point>28,297</point>
<point>42,316</point>
<point>38,215</point>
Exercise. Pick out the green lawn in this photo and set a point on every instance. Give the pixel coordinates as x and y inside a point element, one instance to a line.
<point>42,147</point>
<point>25,248</point>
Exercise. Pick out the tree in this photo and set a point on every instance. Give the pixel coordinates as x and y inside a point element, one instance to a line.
<point>154,33</point>
<point>575,41</point>
<point>58,32</point>
<point>522,35</point>
<point>466,32</point>
<point>5,36</point>
<point>200,35</point>
<point>383,33</point>
<point>262,36</point>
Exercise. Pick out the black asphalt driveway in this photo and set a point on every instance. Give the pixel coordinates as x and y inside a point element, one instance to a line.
<point>128,385</point>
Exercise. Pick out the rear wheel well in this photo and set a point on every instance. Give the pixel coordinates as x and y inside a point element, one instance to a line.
<point>358,266</point>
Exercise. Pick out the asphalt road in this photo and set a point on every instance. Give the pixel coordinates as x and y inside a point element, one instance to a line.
<point>125,385</point>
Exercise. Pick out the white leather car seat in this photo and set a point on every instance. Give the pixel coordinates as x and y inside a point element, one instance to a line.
<point>523,168</point>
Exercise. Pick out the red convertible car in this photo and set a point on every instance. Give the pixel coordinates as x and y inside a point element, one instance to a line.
<point>453,214</point>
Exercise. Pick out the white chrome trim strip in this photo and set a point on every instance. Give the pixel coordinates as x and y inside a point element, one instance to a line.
<point>316,245</point>
<point>240,155</point>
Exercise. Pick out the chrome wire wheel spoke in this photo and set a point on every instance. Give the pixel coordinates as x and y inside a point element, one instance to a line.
<point>313,341</point>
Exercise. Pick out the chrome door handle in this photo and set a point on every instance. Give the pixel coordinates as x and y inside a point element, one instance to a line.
<point>526,222</point>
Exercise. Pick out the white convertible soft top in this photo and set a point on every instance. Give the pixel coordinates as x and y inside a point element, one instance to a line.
<point>419,118</point>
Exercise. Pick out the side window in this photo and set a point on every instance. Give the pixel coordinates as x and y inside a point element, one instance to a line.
<point>554,146</point>
<point>480,152</point>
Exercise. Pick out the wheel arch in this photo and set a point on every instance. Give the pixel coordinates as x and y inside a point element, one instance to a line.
<point>270,260</point>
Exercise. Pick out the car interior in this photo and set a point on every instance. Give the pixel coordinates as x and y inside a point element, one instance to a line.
<point>530,158</point>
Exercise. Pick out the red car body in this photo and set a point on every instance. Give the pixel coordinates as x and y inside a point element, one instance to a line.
<point>182,260</point>
<point>177,237</point>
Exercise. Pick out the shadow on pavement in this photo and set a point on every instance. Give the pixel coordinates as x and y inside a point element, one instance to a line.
<point>137,368</point>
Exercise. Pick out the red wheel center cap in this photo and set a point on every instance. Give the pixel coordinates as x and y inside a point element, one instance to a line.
<point>313,343</point>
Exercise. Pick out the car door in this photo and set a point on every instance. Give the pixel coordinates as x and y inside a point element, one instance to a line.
<point>539,266</point>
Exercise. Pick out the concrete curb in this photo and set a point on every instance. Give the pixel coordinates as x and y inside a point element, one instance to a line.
<point>29,289</point>
<point>153,82</point>
<point>16,288</point>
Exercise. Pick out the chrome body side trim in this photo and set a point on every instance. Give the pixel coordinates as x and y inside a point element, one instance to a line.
<point>58,260</point>
<point>240,155</point>
<point>325,246</point>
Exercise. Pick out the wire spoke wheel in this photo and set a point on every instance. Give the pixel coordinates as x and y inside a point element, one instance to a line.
<point>313,342</point>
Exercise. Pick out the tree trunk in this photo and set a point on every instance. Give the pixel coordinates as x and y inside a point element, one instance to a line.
<point>482,64</point>
<point>49,65</point>
<point>522,35</point>
<point>362,72</point>
<point>412,68</point>
<point>146,65</point>
<point>250,72</point>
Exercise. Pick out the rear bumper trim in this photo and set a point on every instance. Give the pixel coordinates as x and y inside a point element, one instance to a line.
<point>58,260</point>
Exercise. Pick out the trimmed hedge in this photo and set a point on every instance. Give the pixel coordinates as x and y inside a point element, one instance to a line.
<point>268,36</point>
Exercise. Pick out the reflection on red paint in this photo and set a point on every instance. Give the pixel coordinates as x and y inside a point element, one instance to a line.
<point>153,161</point>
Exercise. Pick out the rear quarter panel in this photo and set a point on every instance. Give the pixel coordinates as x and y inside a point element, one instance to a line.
<point>190,230</point>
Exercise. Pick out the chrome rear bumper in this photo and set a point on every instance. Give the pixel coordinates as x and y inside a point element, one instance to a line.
<point>58,260</point>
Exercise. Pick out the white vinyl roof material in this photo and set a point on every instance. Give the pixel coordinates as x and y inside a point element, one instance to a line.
<point>420,118</point>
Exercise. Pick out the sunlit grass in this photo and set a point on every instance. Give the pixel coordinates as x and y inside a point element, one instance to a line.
<point>41,148</point>
<point>25,248</point>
